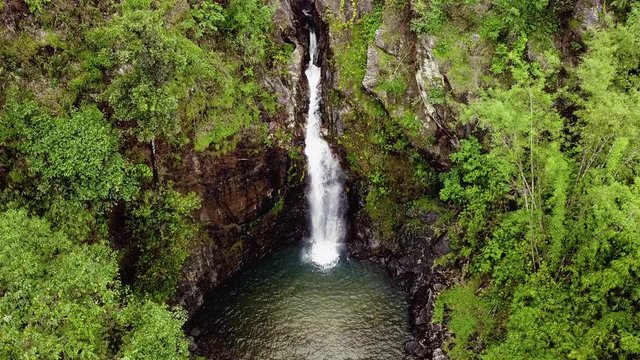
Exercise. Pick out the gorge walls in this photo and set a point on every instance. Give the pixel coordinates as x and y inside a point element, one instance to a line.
<point>254,201</point>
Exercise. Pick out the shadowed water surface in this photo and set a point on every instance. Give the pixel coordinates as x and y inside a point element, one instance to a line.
<point>284,308</point>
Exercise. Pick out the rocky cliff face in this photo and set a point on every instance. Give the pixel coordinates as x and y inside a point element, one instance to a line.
<point>343,10</point>
<point>253,201</point>
<point>401,75</point>
<point>250,207</point>
<point>404,76</point>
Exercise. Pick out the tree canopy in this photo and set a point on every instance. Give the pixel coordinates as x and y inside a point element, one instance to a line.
<point>62,299</point>
<point>548,207</point>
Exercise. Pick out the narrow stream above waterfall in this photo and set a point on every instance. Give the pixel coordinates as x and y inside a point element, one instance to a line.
<point>285,308</point>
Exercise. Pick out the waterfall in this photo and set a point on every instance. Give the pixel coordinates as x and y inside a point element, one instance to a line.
<point>325,187</point>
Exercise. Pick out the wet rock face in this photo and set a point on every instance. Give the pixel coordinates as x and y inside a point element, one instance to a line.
<point>428,75</point>
<point>587,12</point>
<point>253,201</point>
<point>239,189</point>
<point>391,67</point>
<point>249,208</point>
<point>286,88</point>
<point>412,263</point>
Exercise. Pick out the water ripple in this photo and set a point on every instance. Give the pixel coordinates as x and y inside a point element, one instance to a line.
<point>287,309</point>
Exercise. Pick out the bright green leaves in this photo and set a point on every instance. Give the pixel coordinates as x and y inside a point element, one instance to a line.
<point>246,24</point>
<point>156,333</point>
<point>561,246</point>
<point>163,226</point>
<point>510,59</point>
<point>483,43</point>
<point>67,169</point>
<point>78,158</point>
<point>557,172</point>
<point>525,131</point>
<point>519,116</point>
<point>250,23</point>
<point>97,72</point>
<point>478,184</point>
<point>539,325</point>
<point>471,319</point>
<point>523,15</point>
<point>51,291</point>
<point>612,215</point>
<point>226,104</point>
<point>598,67</point>
<point>60,299</point>
<point>69,158</point>
<point>610,129</point>
<point>505,256</point>
<point>209,17</point>
<point>35,6</point>
<point>152,68</point>
<point>223,106</point>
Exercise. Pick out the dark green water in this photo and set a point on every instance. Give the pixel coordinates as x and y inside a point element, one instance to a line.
<point>284,308</point>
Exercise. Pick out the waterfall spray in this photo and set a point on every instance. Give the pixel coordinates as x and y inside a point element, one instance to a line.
<point>325,188</point>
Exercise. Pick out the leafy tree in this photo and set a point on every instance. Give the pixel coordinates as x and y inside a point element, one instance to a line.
<point>156,333</point>
<point>478,184</point>
<point>563,257</point>
<point>74,157</point>
<point>65,165</point>
<point>152,66</point>
<point>249,22</point>
<point>610,120</point>
<point>63,300</point>
<point>163,226</point>
<point>209,17</point>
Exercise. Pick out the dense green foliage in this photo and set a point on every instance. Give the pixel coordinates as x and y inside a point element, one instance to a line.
<point>544,189</point>
<point>154,68</point>
<point>63,300</point>
<point>87,89</point>
<point>73,158</point>
<point>482,43</point>
<point>67,169</point>
<point>548,204</point>
<point>162,226</point>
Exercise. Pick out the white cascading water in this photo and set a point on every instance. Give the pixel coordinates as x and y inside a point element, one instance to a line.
<point>325,189</point>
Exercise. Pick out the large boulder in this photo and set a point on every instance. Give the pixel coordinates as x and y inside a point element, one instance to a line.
<point>345,10</point>
<point>403,75</point>
<point>587,13</point>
